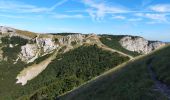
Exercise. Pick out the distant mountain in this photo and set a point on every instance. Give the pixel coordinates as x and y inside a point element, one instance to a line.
<point>43,66</point>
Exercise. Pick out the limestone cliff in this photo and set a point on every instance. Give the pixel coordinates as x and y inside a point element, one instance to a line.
<point>47,44</point>
<point>139,44</point>
<point>37,45</point>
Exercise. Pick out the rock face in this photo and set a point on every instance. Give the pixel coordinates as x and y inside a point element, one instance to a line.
<point>139,44</point>
<point>7,31</point>
<point>28,52</point>
<point>41,44</point>
<point>4,30</point>
<point>68,40</point>
<point>49,43</point>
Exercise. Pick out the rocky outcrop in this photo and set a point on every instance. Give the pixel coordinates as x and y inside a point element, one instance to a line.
<point>41,44</point>
<point>7,31</point>
<point>28,52</point>
<point>69,39</point>
<point>46,44</point>
<point>49,43</point>
<point>4,30</point>
<point>139,44</point>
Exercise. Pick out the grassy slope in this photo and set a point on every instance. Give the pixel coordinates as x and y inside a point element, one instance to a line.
<point>66,72</point>
<point>132,82</point>
<point>8,70</point>
<point>26,33</point>
<point>74,68</point>
<point>64,34</point>
<point>112,41</point>
<point>161,65</point>
<point>8,73</point>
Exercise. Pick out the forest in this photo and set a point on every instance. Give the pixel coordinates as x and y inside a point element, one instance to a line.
<point>66,72</point>
<point>112,41</point>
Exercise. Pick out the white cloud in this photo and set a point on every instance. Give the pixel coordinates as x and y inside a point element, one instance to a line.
<point>119,17</point>
<point>21,16</point>
<point>160,8</point>
<point>92,13</point>
<point>58,4</point>
<point>64,16</point>
<point>99,10</point>
<point>11,16</point>
<point>154,17</point>
<point>134,19</point>
<point>11,6</point>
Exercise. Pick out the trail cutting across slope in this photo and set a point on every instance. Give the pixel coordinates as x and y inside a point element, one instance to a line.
<point>34,70</point>
<point>113,50</point>
<point>159,86</point>
<point>111,73</point>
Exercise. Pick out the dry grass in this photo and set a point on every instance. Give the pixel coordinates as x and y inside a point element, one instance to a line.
<point>26,33</point>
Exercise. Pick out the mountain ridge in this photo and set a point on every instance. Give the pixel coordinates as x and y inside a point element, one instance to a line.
<point>36,56</point>
<point>49,41</point>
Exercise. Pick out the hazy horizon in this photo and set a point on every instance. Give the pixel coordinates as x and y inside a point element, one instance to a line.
<point>147,18</point>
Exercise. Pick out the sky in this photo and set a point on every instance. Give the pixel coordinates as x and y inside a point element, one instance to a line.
<point>147,18</point>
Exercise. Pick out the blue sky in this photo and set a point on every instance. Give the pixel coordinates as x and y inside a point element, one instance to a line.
<point>147,18</point>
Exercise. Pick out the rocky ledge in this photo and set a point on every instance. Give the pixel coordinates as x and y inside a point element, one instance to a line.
<point>42,44</point>
<point>139,44</point>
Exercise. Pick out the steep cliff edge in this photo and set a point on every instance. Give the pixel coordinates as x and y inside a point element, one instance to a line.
<point>139,44</point>
<point>36,45</point>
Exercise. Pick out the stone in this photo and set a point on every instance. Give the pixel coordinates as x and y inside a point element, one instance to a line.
<point>139,44</point>
<point>28,51</point>
<point>47,44</point>
<point>4,30</point>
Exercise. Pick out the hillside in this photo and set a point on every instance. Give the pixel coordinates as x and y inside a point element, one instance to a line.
<point>64,73</point>
<point>113,42</point>
<point>44,66</point>
<point>145,78</point>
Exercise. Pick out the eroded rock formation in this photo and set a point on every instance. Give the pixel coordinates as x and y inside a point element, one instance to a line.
<point>41,44</point>
<point>139,44</point>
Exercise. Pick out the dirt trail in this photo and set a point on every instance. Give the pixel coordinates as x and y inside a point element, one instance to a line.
<point>34,70</point>
<point>159,86</point>
<point>111,72</point>
<point>113,50</point>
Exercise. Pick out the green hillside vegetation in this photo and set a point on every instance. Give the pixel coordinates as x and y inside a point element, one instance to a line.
<point>160,63</point>
<point>131,82</point>
<point>8,73</point>
<point>112,41</point>
<point>14,40</point>
<point>66,72</point>
<point>12,52</point>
